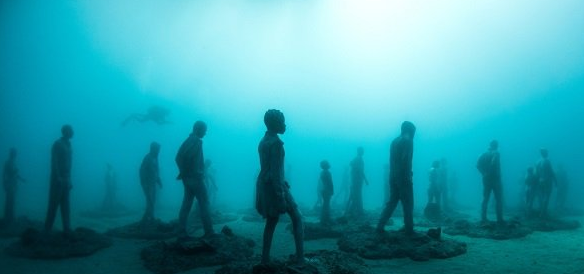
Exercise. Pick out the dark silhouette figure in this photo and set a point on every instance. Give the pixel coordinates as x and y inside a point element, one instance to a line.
<point>489,166</point>
<point>386,192</point>
<point>273,196</point>
<point>547,178</point>
<point>434,194</point>
<point>10,182</point>
<point>443,184</point>
<point>149,179</point>
<point>61,158</point>
<point>342,197</point>
<point>355,205</point>
<point>326,192</point>
<point>191,166</point>
<point>109,202</point>
<point>563,184</point>
<point>531,184</point>
<point>210,181</point>
<point>156,114</point>
<point>400,178</point>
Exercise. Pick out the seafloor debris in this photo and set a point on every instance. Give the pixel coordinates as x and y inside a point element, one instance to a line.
<point>147,230</point>
<point>369,244</point>
<point>165,257</point>
<point>35,244</point>
<point>511,229</point>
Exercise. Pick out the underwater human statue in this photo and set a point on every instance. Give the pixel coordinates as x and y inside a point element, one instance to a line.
<point>60,182</point>
<point>400,179</point>
<point>434,194</point>
<point>210,181</point>
<point>110,179</point>
<point>443,184</point>
<point>547,179</point>
<point>273,196</point>
<point>11,177</point>
<point>355,205</point>
<point>563,184</point>
<point>531,189</point>
<point>191,166</point>
<point>326,192</point>
<point>150,179</point>
<point>489,165</point>
<point>156,114</point>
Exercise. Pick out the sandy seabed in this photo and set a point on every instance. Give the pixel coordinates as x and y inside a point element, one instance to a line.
<point>560,252</point>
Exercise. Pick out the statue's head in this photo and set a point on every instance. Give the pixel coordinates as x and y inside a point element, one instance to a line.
<point>275,122</point>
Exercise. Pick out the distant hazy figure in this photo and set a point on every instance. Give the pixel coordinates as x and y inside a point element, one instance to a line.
<point>563,186</point>
<point>443,184</point>
<point>355,205</point>
<point>489,166</point>
<point>109,202</point>
<point>531,184</point>
<point>386,191</point>
<point>273,196</point>
<point>149,179</point>
<point>191,166</point>
<point>10,182</point>
<point>61,158</point>
<point>210,182</point>
<point>453,189</point>
<point>434,189</point>
<point>156,114</point>
<point>400,178</point>
<point>342,198</point>
<point>326,192</point>
<point>547,178</point>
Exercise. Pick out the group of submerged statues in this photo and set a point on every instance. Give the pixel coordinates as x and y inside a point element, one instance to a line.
<point>273,196</point>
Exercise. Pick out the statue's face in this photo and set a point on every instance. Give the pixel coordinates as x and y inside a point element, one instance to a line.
<point>280,124</point>
<point>68,132</point>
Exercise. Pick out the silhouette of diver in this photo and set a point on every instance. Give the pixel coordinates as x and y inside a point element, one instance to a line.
<point>155,114</point>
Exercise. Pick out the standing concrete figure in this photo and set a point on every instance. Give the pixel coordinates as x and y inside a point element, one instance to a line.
<point>531,191</point>
<point>489,166</point>
<point>273,196</point>
<point>191,166</point>
<point>10,182</point>
<point>563,184</point>
<point>109,202</point>
<point>327,191</point>
<point>61,159</point>
<point>400,178</point>
<point>434,193</point>
<point>355,205</point>
<point>547,178</point>
<point>210,182</point>
<point>443,184</point>
<point>149,179</point>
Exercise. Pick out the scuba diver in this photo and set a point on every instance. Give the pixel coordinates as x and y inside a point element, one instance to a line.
<point>156,114</point>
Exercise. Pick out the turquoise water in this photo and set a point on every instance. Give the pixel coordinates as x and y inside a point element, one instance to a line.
<point>344,73</point>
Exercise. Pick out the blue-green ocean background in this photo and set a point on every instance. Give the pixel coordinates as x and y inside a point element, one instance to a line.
<point>345,74</point>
